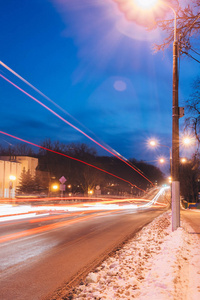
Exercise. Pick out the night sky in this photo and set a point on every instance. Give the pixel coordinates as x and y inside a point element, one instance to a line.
<point>94,64</point>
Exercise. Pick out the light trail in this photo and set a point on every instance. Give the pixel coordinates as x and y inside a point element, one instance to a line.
<point>93,213</point>
<point>9,212</point>
<point>54,103</point>
<point>82,212</point>
<point>114,152</point>
<point>81,161</point>
<point>73,126</point>
<point>58,106</point>
<point>33,231</point>
<point>155,198</point>
<point>71,198</point>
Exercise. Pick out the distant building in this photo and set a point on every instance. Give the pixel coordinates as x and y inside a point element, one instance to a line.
<point>10,172</point>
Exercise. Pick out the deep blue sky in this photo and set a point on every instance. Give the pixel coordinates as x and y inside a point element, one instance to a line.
<point>97,66</point>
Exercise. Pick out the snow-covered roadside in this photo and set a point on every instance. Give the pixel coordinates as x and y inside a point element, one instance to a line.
<point>157,264</point>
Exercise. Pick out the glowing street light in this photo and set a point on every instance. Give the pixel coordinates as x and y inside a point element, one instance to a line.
<point>153,143</point>
<point>183,160</point>
<point>12,179</point>
<point>146,4</point>
<point>186,141</point>
<point>162,160</point>
<point>55,187</point>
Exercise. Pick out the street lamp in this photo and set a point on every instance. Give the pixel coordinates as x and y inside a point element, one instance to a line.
<point>183,160</point>
<point>146,4</point>
<point>12,179</point>
<point>175,126</point>
<point>55,187</point>
<point>187,141</point>
<point>162,160</point>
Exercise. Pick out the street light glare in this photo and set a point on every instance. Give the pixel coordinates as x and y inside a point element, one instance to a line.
<point>146,4</point>
<point>152,143</point>
<point>161,160</point>
<point>55,187</point>
<point>187,141</point>
<point>183,160</point>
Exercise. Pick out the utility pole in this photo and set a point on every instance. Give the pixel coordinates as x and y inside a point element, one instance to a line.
<point>175,138</point>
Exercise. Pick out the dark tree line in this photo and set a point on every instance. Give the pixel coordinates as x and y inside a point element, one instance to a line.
<point>82,177</point>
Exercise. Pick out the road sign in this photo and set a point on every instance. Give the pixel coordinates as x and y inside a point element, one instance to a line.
<point>62,180</point>
<point>62,187</point>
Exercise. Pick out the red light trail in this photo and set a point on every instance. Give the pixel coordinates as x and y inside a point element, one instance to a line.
<point>73,126</point>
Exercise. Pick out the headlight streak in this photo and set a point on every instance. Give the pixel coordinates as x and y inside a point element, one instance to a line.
<point>90,209</point>
<point>76,128</point>
<point>27,211</point>
<point>49,227</point>
<point>20,217</point>
<point>154,200</point>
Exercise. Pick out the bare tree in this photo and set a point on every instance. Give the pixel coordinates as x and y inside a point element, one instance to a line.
<point>192,122</point>
<point>188,22</point>
<point>189,178</point>
<point>188,27</point>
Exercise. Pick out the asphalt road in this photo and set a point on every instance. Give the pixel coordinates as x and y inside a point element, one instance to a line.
<point>50,252</point>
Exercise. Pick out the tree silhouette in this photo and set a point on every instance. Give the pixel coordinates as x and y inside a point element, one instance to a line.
<point>26,182</point>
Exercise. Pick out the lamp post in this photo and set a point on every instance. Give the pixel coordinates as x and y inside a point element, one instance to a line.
<point>11,186</point>
<point>176,114</point>
<point>175,125</point>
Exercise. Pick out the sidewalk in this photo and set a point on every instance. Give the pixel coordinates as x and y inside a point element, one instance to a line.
<point>157,264</point>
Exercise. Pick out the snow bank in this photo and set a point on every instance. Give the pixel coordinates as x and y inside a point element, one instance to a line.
<point>157,264</point>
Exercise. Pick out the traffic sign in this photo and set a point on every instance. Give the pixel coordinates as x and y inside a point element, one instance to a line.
<point>62,180</point>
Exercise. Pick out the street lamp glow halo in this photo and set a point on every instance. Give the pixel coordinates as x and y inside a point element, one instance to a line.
<point>12,177</point>
<point>183,160</point>
<point>162,160</point>
<point>146,4</point>
<point>187,141</point>
<point>152,143</point>
<point>55,187</point>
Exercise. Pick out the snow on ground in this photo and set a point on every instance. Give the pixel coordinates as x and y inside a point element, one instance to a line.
<point>157,264</point>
